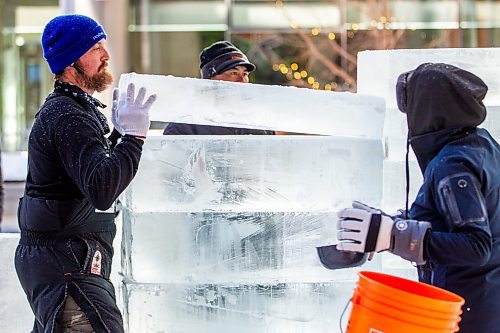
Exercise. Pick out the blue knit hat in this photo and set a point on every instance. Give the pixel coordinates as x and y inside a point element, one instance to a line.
<point>66,38</point>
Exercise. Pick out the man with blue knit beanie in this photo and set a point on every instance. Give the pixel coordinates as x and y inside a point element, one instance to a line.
<point>75,175</point>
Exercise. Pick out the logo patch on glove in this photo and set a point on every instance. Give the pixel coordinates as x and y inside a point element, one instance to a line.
<point>401,225</point>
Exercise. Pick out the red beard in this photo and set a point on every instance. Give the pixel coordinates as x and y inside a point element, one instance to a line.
<point>99,81</point>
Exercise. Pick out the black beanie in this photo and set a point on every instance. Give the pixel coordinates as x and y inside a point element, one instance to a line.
<point>220,57</point>
<point>437,96</point>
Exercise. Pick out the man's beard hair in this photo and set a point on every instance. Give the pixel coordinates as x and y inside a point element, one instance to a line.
<point>97,82</point>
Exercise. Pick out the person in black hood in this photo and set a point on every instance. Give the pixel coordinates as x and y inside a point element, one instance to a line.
<point>224,62</point>
<point>75,174</point>
<point>453,228</point>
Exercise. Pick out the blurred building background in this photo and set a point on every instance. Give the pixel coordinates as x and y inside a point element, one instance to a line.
<point>305,43</point>
<point>309,43</point>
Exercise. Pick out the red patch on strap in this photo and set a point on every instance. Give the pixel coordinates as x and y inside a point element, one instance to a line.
<point>96,263</point>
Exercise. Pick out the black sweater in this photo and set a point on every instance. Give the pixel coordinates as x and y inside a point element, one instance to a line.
<point>70,158</point>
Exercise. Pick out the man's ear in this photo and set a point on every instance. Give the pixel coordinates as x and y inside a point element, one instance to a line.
<point>77,68</point>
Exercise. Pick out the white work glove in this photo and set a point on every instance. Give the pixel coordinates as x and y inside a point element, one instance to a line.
<point>130,116</point>
<point>114,111</point>
<point>366,229</point>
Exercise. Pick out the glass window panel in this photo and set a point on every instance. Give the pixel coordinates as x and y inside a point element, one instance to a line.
<point>21,57</point>
<point>318,62</point>
<point>481,37</point>
<point>166,15</point>
<point>34,18</point>
<point>284,15</point>
<point>480,14</point>
<point>185,12</point>
<point>413,14</point>
<point>169,53</point>
<point>299,59</point>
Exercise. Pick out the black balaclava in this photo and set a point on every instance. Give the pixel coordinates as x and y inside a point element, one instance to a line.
<point>437,96</point>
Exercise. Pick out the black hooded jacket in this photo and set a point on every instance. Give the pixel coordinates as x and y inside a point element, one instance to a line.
<point>461,191</point>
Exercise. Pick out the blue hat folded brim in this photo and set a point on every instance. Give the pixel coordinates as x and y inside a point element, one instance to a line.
<point>233,63</point>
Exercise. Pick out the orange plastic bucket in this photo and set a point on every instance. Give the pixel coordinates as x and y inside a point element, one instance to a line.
<point>388,304</point>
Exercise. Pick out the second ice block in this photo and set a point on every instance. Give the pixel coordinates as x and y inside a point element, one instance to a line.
<point>242,209</point>
<point>255,173</point>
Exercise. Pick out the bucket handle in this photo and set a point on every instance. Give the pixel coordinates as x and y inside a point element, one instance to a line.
<point>343,313</point>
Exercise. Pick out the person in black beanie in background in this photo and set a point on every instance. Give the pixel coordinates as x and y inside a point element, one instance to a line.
<point>75,174</point>
<point>220,61</point>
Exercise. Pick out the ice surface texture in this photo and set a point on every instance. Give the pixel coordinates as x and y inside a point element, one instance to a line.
<point>241,209</point>
<point>255,173</point>
<point>220,233</point>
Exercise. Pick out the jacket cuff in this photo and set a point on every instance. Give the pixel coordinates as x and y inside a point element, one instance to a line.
<point>134,138</point>
<point>409,239</point>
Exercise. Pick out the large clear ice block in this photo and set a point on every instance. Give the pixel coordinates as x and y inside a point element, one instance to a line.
<point>212,102</point>
<point>394,195</point>
<point>220,233</point>
<point>484,62</point>
<point>255,173</point>
<point>239,248</point>
<point>249,206</point>
<point>492,121</point>
<point>228,308</point>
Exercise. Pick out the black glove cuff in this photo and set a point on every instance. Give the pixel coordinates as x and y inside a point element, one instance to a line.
<point>408,239</point>
<point>373,230</point>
